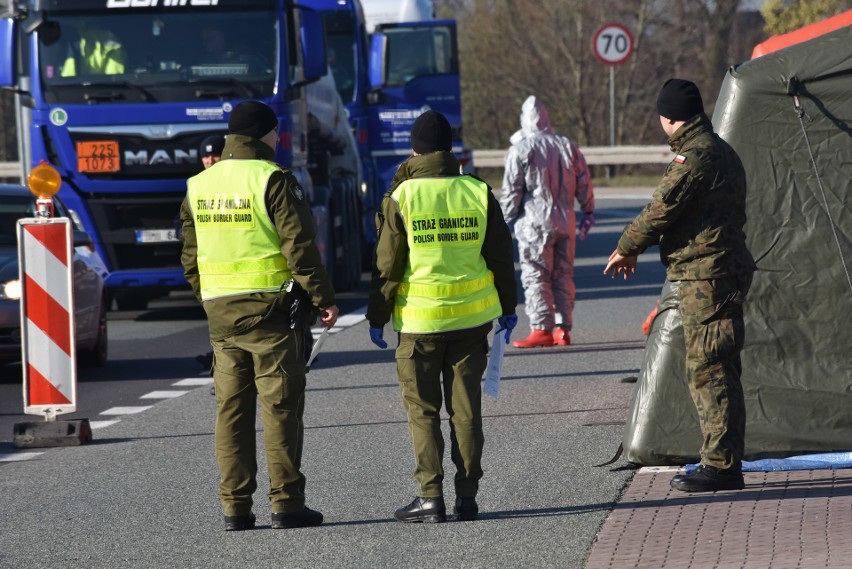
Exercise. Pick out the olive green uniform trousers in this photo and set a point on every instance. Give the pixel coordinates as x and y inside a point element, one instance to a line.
<point>265,361</point>
<point>714,331</point>
<point>455,361</point>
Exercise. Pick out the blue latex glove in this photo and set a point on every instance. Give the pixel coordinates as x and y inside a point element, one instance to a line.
<point>376,337</point>
<point>507,322</point>
<point>585,224</point>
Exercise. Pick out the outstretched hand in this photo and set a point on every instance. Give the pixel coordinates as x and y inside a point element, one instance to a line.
<point>620,264</point>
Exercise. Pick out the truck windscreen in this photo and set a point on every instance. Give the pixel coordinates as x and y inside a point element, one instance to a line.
<point>417,51</point>
<point>128,57</point>
<point>340,48</point>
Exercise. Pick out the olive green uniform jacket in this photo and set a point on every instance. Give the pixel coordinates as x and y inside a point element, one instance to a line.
<point>697,212</point>
<point>392,244</point>
<point>287,206</point>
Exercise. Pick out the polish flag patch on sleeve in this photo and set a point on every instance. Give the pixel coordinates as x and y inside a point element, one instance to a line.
<point>680,159</point>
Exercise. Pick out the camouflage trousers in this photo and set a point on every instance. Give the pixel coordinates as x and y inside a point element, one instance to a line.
<point>713,328</point>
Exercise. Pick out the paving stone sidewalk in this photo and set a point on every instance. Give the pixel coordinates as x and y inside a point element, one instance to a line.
<point>792,519</point>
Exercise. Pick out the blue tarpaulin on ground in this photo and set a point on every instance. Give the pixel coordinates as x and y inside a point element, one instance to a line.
<point>804,462</point>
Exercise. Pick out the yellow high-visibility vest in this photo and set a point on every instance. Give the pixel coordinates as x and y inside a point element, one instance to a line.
<point>239,250</point>
<point>100,54</point>
<point>447,285</point>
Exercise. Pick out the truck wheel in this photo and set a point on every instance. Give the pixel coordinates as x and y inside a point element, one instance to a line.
<point>336,251</point>
<point>354,238</point>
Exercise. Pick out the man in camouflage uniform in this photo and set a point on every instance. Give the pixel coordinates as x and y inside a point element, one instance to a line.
<point>696,216</point>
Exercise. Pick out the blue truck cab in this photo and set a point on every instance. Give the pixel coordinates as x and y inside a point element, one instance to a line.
<point>387,76</point>
<point>119,94</point>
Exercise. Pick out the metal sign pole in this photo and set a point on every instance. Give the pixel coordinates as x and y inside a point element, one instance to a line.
<point>610,171</point>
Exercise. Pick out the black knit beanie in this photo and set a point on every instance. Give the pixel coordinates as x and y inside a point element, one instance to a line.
<point>679,100</point>
<point>252,118</point>
<point>431,132</point>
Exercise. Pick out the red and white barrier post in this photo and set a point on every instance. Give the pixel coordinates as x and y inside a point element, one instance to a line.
<point>48,344</point>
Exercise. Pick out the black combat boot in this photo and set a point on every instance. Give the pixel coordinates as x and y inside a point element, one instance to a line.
<point>426,510</point>
<point>303,519</point>
<point>709,479</point>
<point>466,509</point>
<point>239,523</point>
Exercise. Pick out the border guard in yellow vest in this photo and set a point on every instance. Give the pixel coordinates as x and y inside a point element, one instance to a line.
<point>443,271</point>
<point>248,252</point>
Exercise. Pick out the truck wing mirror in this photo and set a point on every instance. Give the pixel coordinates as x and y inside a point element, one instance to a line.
<point>8,52</point>
<point>377,69</point>
<point>83,239</point>
<point>312,36</point>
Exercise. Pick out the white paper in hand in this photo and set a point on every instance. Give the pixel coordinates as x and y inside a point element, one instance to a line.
<point>317,347</point>
<point>495,365</point>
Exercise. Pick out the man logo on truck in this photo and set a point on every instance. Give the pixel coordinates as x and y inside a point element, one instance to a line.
<point>160,156</point>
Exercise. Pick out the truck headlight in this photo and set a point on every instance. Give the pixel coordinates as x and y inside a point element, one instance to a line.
<point>10,290</point>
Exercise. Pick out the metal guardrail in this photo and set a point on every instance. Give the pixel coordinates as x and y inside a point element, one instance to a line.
<point>595,156</point>
<point>10,170</point>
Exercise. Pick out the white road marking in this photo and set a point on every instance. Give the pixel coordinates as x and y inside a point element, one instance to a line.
<point>125,410</point>
<point>101,424</point>
<point>18,456</point>
<point>191,381</point>
<point>163,394</point>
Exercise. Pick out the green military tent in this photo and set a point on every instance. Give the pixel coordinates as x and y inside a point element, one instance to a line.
<point>788,114</point>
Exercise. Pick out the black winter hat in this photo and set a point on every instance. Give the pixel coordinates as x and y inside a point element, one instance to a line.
<point>252,118</point>
<point>679,100</point>
<point>431,132</point>
<point>213,144</point>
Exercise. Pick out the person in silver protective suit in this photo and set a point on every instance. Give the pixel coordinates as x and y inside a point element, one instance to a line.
<point>544,174</point>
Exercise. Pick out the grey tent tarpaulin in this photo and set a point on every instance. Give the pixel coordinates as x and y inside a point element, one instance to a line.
<point>797,360</point>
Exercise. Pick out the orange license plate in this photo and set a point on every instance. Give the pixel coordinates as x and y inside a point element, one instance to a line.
<point>97,156</point>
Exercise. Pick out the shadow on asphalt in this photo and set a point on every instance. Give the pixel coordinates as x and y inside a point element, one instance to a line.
<point>547,512</point>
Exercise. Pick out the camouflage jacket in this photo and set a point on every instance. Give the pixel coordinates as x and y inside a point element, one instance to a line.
<point>697,212</point>
<point>287,206</point>
<point>392,246</point>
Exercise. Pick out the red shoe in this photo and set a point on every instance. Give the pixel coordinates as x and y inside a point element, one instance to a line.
<point>561,337</point>
<point>536,339</point>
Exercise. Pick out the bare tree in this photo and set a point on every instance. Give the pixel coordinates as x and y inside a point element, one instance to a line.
<point>513,48</point>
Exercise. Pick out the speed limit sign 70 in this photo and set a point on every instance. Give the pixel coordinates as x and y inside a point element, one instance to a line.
<point>613,44</point>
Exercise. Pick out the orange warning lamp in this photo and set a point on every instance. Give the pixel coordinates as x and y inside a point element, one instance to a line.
<point>44,181</point>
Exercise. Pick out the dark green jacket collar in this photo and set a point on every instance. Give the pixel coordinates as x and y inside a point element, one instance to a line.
<point>698,124</point>
<point>433,164</point>
<point>243,147</point>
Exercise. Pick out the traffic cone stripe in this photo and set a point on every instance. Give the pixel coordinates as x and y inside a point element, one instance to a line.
<point>52,237</point>
<point>42,392</point>
<point>44,267</point>
<point>50,361</point>
<point>50,317</point>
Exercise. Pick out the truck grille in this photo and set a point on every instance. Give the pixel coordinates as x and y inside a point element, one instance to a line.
<point>119,216</point>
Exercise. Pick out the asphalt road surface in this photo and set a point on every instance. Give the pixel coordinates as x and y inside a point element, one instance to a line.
<point>143,494</point>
